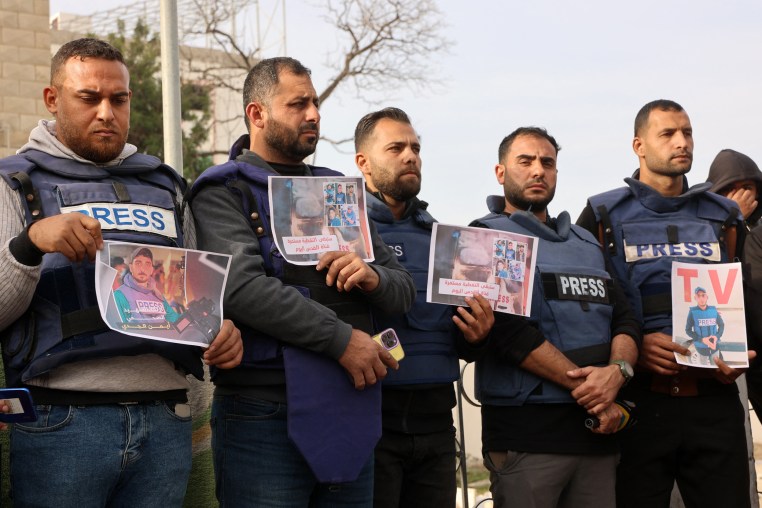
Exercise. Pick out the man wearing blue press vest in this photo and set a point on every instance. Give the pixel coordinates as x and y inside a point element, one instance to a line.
<point>415,458</point>
<point>114,426</point>
<point>690,427</point>
<point>541,379</point>
<point>296,423</point>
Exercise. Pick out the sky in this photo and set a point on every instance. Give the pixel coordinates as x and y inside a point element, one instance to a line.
<point>580,69</point>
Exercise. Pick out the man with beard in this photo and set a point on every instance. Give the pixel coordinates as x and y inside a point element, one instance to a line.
<point>415,458</point>
<point>113,424</point>
<point>540,378</point>
<point>691,421</point>
<point>139,300</point>
<point>296,424</point>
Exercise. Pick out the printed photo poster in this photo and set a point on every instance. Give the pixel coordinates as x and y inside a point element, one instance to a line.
<point>161,293</point>
<point>313,215</point>
<point>708,314</point>
<point>496,264</point>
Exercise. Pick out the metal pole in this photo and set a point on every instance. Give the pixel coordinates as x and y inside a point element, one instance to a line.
<point>170,86</point>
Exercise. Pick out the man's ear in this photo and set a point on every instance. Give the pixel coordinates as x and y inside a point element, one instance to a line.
<point>637,146</point>
<point>50,96</point>
<point>363,164</point>
<point>256,112</point>
<point>500,173</point>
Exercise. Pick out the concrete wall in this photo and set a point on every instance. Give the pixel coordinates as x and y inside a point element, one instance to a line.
<point>24,69</point>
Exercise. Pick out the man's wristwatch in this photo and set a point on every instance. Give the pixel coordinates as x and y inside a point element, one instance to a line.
<point>626,370</point>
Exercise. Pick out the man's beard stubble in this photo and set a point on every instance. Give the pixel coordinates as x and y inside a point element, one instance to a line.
<point>515,196</point>
<point>100,150</point>
<point>287,141</point>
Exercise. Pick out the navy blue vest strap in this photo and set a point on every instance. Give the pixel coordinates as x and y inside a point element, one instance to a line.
<point>31,195</point>
<point>82,321</point>
<point>608,230</point>
<point>255,218</point>
<point>334,425</point>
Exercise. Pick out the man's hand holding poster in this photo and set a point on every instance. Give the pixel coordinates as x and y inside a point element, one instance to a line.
<point>496,264</point>
<point>708,314</point>
<point>313,215</point>
<point>161,293</point>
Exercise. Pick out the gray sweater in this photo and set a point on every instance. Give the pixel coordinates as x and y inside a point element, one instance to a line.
<point>144,373</point>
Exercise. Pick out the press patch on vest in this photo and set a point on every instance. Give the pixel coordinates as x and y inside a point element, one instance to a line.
<point>399,250</point>
<point>700,250</point>
<point>150,307</point>
<point>586,288</point>
<point>129,217</point>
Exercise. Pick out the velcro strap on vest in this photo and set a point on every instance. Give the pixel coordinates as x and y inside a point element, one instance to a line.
<point>590,355</point>
<point>122,194</point>
<point>258,225</point>
<point>607,230</point>
<point>82,321</point>
<point>672,236</point>
<point>657,304</point>
<point>563,286</point>
<point>31,196</point>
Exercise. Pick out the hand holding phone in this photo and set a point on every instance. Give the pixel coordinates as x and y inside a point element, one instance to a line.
<point>389,341</point>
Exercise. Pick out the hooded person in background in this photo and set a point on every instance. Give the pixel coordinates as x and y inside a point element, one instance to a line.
<point>735,176</point>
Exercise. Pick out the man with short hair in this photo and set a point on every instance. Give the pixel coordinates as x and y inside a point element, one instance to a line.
<point>705,326</point>
<point>690,420</point>
<point>113,426</point>
<point>540,378</point>
<point>289,427</point>
<point>415,458</point>
<point>138,299</point>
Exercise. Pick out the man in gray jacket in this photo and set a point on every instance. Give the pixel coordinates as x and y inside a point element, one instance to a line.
<point>295,425</point>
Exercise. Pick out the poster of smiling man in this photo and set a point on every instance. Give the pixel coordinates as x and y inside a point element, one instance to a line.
<point>161,293</point>
<point>468,260</point>
<point>708,314</point>
<point>313,215</point>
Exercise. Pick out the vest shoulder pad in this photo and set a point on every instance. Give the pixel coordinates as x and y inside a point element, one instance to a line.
<point>609,200</point>
<point>15,164</point>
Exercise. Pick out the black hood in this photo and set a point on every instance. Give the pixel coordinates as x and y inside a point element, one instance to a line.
<point>730,166</point>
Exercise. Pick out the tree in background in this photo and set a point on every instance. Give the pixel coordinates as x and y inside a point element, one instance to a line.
<point>142,54</point>
<point>381,45</point>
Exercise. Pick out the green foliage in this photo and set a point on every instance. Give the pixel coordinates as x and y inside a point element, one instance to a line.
<point>142,54</point>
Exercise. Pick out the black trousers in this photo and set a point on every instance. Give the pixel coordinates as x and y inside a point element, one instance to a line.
<point>415,470</point>
<point>700,442</point>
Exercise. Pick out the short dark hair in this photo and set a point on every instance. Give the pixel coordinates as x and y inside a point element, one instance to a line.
<point>367,123</point>
<point>641,119</point>
<point>263,77</point>
<point>84,48</point>
<point>537,132</point>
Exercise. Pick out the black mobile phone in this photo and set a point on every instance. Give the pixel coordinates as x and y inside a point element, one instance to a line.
<point>20,402</point>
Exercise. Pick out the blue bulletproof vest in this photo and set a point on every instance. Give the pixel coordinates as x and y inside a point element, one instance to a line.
<point>571,306</point>
<point>704,325</point>
<point>134,202</point>
<point>249,183</point>
<point>426,330</point>
<point>644,232</point>
<point>333,425</point>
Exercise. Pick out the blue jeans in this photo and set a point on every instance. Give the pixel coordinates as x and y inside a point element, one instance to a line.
<point>256,464</point>
<point>113,455</point>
